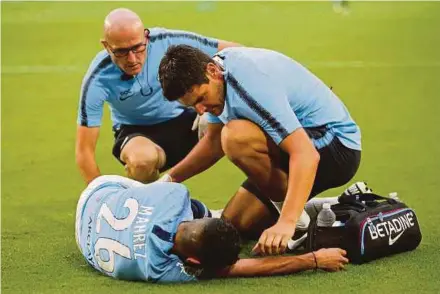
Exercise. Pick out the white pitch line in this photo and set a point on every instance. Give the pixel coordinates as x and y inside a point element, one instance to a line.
<point>41,69</point>
<point>370,64</point>
<point>61,69</point>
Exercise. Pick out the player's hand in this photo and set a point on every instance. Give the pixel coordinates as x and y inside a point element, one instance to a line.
<point>331,259</point>
<point>274,239</point>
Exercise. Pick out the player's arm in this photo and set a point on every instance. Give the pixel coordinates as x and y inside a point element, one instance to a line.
<point>204,155</point>
<point>91,102</point>
<point>86,139</point>
<point>303,164</point>
<point>207,44</point>
<point>332,259</point>
<point>226,44</point>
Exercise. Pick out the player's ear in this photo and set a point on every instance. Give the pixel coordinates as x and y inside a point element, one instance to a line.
<point>192,261</point>
<point>105,44</point>
<point>211,70</point>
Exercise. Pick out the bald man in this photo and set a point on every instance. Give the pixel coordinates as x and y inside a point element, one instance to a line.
<point>151,133</point>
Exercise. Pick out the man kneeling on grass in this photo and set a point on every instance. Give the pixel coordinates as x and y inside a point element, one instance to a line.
<point>156,232</point>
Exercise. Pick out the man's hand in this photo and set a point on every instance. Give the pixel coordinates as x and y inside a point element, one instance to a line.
<point>331,259</point>
<point>274,239</point>
<point>86,139</point>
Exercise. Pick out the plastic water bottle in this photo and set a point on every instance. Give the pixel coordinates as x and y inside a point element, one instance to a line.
<point>314,206</point>
<point>326,216</point>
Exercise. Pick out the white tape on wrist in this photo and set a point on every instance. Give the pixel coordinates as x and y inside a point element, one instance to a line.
<point>165,178</point>
<point>195,124</point>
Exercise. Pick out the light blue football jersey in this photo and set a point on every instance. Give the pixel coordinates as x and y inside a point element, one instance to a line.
<point>127,231</point>
<point>280,95</point>
<point>136,101</point>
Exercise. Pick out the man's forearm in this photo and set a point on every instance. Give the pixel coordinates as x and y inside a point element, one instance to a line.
<point>222,44</point>
<point>302,172</point>
<point>205,154</point>
<point>88,167</point>
<point>268,266</point>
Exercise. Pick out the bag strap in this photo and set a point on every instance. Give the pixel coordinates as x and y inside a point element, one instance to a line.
<point>367,197</point>
<point>311,236</point>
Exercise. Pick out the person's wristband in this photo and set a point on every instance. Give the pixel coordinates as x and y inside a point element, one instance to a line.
<point>316,261</point>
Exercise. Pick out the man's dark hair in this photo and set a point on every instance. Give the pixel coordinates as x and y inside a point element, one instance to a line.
<point>180,69</point>
<point>219,244</point>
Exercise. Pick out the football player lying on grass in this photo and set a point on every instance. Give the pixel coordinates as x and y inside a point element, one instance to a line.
<point>156,232</point>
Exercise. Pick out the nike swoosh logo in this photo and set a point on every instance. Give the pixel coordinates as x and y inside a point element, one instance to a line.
<point>391,241</point>
<point>123,97</point>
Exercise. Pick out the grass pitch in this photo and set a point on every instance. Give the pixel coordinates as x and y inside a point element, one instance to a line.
<point>382,59</point>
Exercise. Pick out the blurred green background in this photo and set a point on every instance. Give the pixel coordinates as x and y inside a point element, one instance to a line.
<point>382,59</point>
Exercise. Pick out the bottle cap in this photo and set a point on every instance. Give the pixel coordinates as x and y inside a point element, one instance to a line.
<point>326,205</point>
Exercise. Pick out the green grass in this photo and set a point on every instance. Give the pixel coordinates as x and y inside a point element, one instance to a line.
<point>383,60</point>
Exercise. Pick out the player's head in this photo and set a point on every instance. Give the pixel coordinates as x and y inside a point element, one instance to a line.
<point>125,40</point>
<point>189,75</point>
<point>209,242</point>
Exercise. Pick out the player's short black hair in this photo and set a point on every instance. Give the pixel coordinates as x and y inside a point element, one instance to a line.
<point>180,69</point>
<point>219,244</point>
